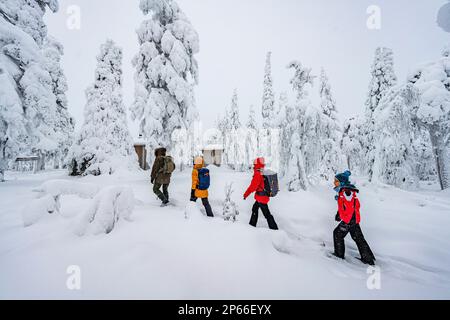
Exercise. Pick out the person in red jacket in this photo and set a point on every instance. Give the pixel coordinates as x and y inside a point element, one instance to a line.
<point>262,200</point>
<point>350,218</point>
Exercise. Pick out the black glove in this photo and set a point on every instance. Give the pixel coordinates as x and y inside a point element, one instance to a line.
<point>193,198</point>
<point>338,217</point>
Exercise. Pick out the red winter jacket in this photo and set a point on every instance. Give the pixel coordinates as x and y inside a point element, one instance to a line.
<point>257,184</point>
<point>347,208</point>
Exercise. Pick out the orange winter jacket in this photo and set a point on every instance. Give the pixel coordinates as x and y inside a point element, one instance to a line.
<point>198,193</point>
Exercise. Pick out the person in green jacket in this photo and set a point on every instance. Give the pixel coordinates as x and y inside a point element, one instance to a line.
<point>160,176</point>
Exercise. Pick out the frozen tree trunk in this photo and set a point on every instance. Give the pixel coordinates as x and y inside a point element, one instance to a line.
<point>439,155</point>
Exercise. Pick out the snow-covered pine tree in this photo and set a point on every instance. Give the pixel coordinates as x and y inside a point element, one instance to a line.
<point>268,99</point>
<point>330,131</point>
<point>383,78</point>
<point>433,112</point>
<point>298,127</point>
<point>235,145</point>
<point>395,161</point>
<point>166,72</point>
<point>27,90</point>
<point>230,209</point>
<point>104,143</point>
<point>52,51</point>
<point>251,138</point>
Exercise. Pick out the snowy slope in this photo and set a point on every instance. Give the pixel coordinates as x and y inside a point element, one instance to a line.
<point>160,254</point>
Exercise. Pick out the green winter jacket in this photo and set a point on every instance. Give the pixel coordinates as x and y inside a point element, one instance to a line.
<point>157,176</point>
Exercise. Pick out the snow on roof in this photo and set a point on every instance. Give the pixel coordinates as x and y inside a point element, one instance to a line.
<point>139,142</point>
<point>213,147</point>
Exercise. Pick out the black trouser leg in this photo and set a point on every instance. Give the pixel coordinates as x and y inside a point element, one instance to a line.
<point>207,206</point>
<point>366,253</point>
<point>254,217</point>
<point>268,216</point>
<point>338,236</point>
<point>166,191</point>
<point>157,191</point>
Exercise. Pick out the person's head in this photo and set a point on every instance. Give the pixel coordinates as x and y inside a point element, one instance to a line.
<point>342,179</point>
<point>160,152</point>
<point>348,193</point>
<point>259,163</point>
<point>199,162</point>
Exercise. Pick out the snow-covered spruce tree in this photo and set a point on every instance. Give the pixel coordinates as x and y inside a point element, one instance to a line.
<point>64,123</point>
<point>395,161</point>
<point>330,131</point>
<point>268,99</point>
<point>27,89</point>
<point>383,78</point>
<point>251,138</point>
<point>297,126</point>
<point>230,209</point>
<point>352,143</point>
<point>166,72</point>
<point>433,112</point>
<point>267,112</point>
<point>104,142</point>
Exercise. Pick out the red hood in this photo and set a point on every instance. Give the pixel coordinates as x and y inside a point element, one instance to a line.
<point>259,164</point>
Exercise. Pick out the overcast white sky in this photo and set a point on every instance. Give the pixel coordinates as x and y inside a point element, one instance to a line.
<point>236,34</point>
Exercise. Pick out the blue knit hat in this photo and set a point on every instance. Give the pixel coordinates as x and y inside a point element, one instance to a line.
<point>344,177</point>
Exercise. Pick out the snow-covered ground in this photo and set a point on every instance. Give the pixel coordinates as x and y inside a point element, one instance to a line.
<point>160,254</point>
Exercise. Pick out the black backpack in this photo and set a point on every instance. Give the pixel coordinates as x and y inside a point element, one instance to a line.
<point>271,187</point>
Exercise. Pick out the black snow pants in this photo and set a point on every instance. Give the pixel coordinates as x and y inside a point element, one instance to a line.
<point>266,212</point>
<point>206,204</point>
<point>354,228</point>
<point>164,195</point>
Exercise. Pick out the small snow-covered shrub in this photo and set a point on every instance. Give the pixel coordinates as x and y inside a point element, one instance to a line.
<point>110,205</point>
<point>38,208</point>
<point>230,210</point>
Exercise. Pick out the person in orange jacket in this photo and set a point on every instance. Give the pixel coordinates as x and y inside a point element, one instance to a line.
<point>261,200</point>
<point>198,191</point>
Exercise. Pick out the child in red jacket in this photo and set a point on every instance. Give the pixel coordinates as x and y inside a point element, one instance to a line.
<point>349,217</point>
<point>262,200</point>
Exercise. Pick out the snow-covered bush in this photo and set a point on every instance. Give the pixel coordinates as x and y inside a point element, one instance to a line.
<point>166,72</point>
<point>104,143</point>
<point>110,205</point>
<point>230,210</point>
